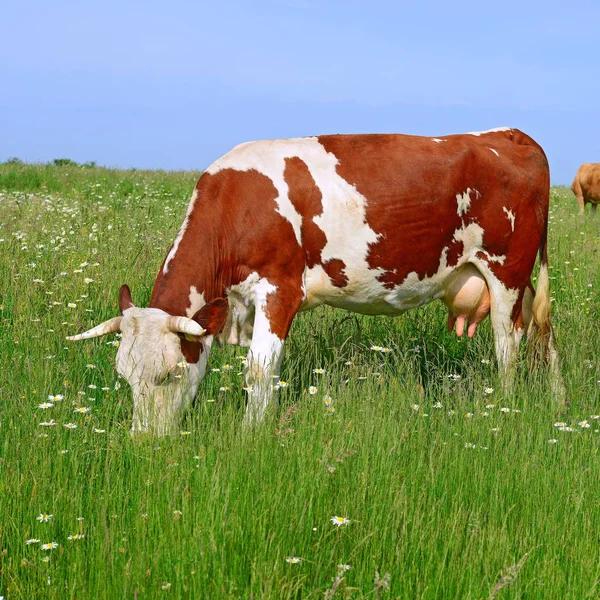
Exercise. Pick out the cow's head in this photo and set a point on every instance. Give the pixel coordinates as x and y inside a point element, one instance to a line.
<point>150,358</point>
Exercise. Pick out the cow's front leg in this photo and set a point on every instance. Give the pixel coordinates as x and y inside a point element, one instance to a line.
<point>275,308</point>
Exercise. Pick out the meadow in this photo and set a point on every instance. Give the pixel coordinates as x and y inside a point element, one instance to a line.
<point>394,467</point>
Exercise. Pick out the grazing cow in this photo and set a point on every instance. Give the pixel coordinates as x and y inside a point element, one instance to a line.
<point>376,224</point>
<point>586,186</point>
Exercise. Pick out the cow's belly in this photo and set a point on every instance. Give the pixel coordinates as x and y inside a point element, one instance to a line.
<point>364,293</point>
<point>463,290</point>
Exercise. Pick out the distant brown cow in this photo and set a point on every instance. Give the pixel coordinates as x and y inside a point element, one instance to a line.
<point>586,186</point>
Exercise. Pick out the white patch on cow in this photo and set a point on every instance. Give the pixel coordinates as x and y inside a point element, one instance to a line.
<point>495,130</point>
<point>511,217</point>
<point>197,301</point>
<point>266,348</point>
<point>464,201</point>
<point>181,231</point>
<point>494,151</point>
<point>438,140</point>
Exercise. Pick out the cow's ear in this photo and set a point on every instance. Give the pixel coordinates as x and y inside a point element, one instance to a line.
<point>212,316</point>
<point>125,300</point>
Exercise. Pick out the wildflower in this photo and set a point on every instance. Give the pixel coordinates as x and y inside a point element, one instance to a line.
<point>83,410</point>
<point>293,560</point>
<point>469,415</point>
<point>565,428</point>
<point>376,348</point>
<point>339,521</point>
<point>76,536</point>
<point>280,384</point>
<point>44,518</point>
<point>49,546</point>
<point>584,424</point>
<point>454,377</point>
<point>560,424</point>
<point>505,410</point>
<point>553,441</point>
<point>216,370</point>
<point>330,409</point>
<point>224,388</point>
<point>90,366</point>
<point>70,425</point>
<point>45,405</point>
<point>327,400</point>
<point>415,406</point>
<point>185,432</point>
<point>165,586</point>
<point>96,430</point>
<point>438,405</point>
<point>452,412</point>
<point>56,398</point>
<point>319,371</point>
<point>470,445</point>
<point>488,390</point>
<point>49,423</point>
<point>182,364</point>
<point>117,385</point>
<point>595,417</point>
<point>88,280</point>
<point>32,541</point>
<point>343,567</point>
<point>226,367</point>
<point>46,559</point>
<point>312,390</point>
<point>385,350</point>
<point>485,361</point>
<point>92,386</point>
<point>63,451</point>
<point>489,406</point>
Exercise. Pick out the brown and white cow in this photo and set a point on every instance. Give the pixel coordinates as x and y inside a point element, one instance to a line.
<point>586,186</point>
<point>375,224</point>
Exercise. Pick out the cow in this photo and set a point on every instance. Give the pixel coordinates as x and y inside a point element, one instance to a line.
<point>376,224</point>
<point>586,186</point>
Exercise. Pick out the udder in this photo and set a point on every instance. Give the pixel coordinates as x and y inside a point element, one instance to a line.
<point>468,300</point>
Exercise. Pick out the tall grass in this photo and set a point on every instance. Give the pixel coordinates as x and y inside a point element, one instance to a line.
<point>450,487</point>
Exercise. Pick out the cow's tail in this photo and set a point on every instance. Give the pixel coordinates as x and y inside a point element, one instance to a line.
<point>540,337</point>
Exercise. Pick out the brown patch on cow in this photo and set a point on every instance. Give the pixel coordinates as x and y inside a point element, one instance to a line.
<point>455,251</point>
<point>306,198</point>
<point>191,350</point>
<point>335,269</point>
<point>233,230</point>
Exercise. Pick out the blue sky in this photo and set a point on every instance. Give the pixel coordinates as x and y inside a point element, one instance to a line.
<point>175,85</point>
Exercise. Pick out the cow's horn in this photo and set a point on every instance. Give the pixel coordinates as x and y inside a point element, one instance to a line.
<point>110,326</point>
<point>184,325</point>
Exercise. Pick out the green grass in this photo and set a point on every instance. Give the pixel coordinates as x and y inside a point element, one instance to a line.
<point>443,518</point>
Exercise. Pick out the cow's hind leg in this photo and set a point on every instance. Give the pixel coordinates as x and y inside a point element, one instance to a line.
<point>506,312</point>
<point>274,311</point>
